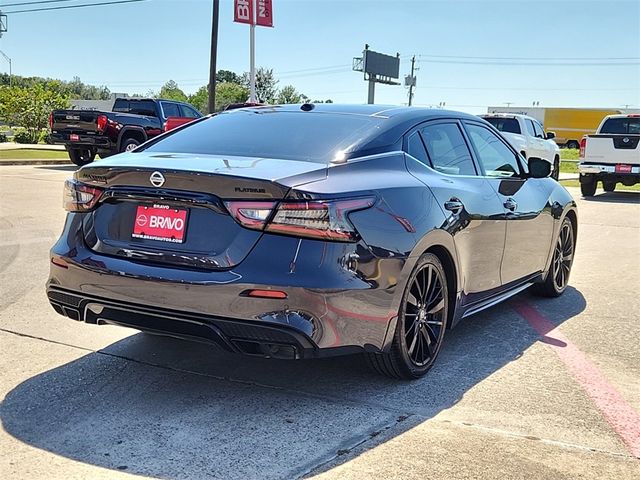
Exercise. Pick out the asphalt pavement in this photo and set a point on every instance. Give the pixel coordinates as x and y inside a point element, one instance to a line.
<point>533,388</point>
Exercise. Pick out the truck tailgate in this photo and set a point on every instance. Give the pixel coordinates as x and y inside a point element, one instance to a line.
<point>73,121</point>
<point>612,149</point>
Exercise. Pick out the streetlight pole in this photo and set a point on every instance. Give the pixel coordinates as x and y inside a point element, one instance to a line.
<point>211,106</point>
<point>8,60</point>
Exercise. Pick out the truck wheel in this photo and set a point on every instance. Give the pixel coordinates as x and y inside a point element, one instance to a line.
<point>573,144</point>
<point>609,186</point>
<point>129,144</point>
<point>556,168</point>
<point>81,156</point>
<point>588,185</point>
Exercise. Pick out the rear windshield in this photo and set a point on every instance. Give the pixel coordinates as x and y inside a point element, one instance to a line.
<point>509,125</point>
<point>314,137</point>
<point>622,126</point>
<point>137,107</point>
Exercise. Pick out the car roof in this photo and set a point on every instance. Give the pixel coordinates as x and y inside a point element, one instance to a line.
<point>506,115</point>
<point>394,113</point>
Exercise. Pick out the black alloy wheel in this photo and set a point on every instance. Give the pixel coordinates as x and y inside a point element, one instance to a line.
<point>558,277</point>
<point>421,323</point>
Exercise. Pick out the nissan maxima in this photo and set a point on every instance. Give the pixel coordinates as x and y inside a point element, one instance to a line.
<point>303,231</point>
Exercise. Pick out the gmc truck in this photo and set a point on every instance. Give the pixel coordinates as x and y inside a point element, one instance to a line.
<point>87,133</point>
<point>611,156</point>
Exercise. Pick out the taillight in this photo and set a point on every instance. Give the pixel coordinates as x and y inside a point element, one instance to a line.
<point>583,146</point>
<point>51,121</point>
<point>78,197</point>
<point>320,219</point>
<point>102,122</point>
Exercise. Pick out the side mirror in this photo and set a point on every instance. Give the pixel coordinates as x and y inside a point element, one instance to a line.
<point>538,168</point>
<point>551,135</point>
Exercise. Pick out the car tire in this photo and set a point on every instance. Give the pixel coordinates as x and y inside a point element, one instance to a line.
<point>608,186</point>
<point>421,323</point>
<point>573,144</point>
<point>588,185</point>
<point>556,168</point>
<point>557,278</point>
<point>81,156</point>
<point>128,144</point>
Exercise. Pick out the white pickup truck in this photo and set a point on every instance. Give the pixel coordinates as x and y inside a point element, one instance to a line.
<point>612,155</point>
<point>527,136</point>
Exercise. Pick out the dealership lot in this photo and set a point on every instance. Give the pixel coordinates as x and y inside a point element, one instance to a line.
<point>532,388</point>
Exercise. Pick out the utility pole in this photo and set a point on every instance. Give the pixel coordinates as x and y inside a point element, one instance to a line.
<point>8,60</point>
<point>252,54</point>
<point>413,79</point>
<point>214,54</point>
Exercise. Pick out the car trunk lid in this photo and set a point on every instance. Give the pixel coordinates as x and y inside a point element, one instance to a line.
<point>170,208</point>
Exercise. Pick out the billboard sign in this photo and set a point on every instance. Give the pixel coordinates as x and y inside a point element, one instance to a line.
<point>381,65</point>
<point>243,11</point>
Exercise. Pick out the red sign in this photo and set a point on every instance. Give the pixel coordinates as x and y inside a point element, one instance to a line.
<point>622,168</point>
<point>264,13</point>
<point>243,11</point>
<point>160,222</point>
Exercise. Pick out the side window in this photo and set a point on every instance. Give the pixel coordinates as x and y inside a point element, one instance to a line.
<point>447,149</point>
<point>494,156</point>
<point>530,130</point>
<point>189,112</point>
<point>170,109</point>
<point>538,129</point>
<point>415,148</point>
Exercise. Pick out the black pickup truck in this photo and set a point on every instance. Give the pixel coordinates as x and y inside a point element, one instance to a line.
<point>85,133</point>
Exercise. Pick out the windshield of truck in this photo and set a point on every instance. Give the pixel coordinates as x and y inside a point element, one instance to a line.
<point>509,125</point>
<point>621,126</point>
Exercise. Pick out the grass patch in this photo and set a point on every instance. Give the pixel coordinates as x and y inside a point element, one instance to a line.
<point>619,187</point>
<point>569,154</point>
<point>29,154</point>
<point>569,167</point>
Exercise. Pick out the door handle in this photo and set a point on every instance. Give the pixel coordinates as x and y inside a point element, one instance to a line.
<point>510,204</point>
<point>454,205</point>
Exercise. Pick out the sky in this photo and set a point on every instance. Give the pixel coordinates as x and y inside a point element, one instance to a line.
<point>470,54</point>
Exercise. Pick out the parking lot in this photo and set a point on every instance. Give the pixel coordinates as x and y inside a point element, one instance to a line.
<point>533,388</point>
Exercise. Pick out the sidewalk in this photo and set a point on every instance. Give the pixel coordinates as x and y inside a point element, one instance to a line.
<point>29,146</point>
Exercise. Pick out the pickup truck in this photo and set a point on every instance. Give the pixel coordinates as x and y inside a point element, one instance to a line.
<point>528,137</point>
<point>611,156</point>
<point>132,121</point>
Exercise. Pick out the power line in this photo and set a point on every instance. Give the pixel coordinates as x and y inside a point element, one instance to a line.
<point>529,58</point>
<point>36,3</point>
<point>75,6</point>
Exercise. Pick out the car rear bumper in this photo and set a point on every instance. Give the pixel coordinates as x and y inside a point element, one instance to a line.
<point>595,168</point>
<point>329,308</point>
<point>84,141</point>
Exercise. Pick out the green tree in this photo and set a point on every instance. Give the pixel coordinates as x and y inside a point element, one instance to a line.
<point>30,107</point>
<point>200,99</point>
<point>227,93</point>
<point>227,76</point>
<point>171,91</point>
<point>266,85</point>
<point>289,94</point>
